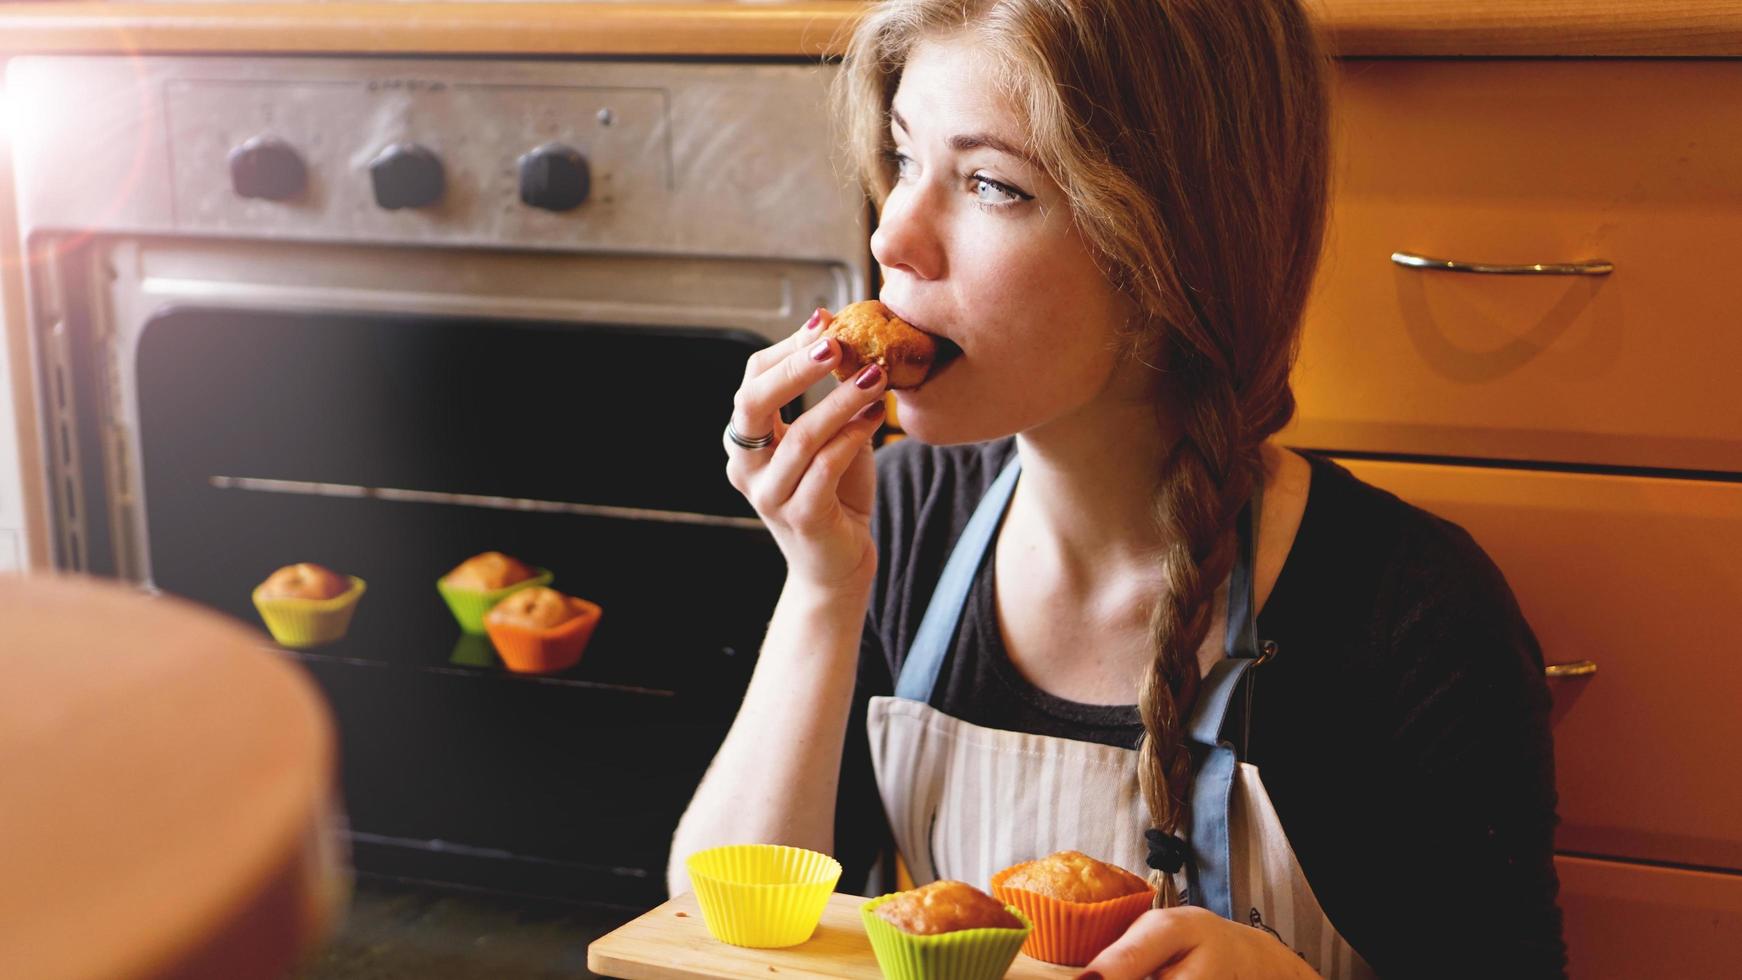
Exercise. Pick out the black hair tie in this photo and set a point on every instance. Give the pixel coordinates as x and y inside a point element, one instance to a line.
<point>1166,852</point>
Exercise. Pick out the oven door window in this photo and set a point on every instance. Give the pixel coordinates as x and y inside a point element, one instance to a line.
<point>393,447</point>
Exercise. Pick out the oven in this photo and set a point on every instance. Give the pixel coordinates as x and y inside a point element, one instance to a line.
<point>386,314</point>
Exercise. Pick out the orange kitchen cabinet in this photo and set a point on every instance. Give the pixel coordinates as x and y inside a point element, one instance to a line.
<point>1638,162</point>
<point>1629,921</point>
<point>1643,577</point>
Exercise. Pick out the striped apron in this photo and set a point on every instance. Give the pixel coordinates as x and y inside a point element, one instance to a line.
<point>965,801</point>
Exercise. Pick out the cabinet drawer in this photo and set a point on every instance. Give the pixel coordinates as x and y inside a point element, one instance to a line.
<point>1644,577</point>
<point>1636,162</point>
<point>1631,921</point>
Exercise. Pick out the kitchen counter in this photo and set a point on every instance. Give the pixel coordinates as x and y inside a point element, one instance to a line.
<point>814,28</point>
<point>400,930</point>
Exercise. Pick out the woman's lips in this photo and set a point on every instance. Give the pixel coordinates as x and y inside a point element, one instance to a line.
<point>948,351</point>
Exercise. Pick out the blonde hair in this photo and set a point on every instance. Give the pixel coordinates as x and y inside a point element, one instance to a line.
<point>1191,139</point>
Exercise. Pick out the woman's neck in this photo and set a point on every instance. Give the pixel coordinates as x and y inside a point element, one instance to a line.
<point>1087,493</point>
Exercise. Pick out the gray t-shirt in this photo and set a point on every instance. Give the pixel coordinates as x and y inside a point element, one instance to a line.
<point>1402,728</point>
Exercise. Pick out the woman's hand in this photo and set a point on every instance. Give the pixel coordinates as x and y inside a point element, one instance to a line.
<point>1189,943</point>
<point>814,485</point>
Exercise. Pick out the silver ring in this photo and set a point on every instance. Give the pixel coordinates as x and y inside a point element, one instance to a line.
<point>760,442</point>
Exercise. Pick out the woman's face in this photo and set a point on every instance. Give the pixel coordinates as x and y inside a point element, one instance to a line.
<point>977,245</point>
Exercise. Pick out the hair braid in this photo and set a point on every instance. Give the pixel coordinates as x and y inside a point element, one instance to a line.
<point>1207,477</point>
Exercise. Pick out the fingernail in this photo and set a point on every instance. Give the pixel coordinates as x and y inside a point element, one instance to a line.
<point>869,377</point>
<point>816,318</point>
<point>1088,975</point>
<point>821,351</point>
<point>871,411</point>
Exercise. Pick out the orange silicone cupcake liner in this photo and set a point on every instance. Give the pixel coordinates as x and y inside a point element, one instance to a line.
<point>529,651</point>
<point>1071,933</point>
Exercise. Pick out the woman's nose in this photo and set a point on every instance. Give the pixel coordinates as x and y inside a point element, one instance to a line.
<point>907,236</point>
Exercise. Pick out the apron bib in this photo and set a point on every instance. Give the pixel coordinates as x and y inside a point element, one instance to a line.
<point>965,801</point>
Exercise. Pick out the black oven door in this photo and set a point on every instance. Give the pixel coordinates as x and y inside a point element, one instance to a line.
<point>391,447</point>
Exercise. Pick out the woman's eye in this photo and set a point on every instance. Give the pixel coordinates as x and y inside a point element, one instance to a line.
<point>905,166</point>
<point>989,191</point>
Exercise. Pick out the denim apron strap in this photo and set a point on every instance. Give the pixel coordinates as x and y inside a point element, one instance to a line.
<point>919,672</point>
<point>1210,872</point>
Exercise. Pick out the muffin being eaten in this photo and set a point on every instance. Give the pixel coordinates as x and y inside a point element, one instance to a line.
<point>869,333</point>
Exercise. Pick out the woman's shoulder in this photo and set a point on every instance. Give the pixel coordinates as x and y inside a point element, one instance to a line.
<point>1357,523</point>
<point>1412,579</point>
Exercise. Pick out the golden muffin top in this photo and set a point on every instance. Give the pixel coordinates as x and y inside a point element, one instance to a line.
<point>946,906</point>
<point>1072,876</point>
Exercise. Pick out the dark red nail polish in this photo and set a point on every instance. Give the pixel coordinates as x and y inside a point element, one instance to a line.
<point>869,377</point>
<point>821,351</point>
<point>1088,975</point>
<point>816,318</point>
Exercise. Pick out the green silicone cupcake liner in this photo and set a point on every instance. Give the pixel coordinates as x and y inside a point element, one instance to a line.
<point>971,954</point>
<point>469,605</point>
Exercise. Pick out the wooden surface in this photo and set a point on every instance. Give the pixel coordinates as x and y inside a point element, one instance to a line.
<point>1639,575</point>
<point>1626,921</point>
<point>166,791</point>
<point>808,28</point>
<point>671,943</point>
<point>1530,161</point>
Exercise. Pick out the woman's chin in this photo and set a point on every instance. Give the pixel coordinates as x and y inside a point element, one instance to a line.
<point>927,420</point>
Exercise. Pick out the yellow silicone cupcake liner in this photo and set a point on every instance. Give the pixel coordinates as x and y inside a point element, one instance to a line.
<point>305,623</point>
<point>969,954</point>
<point>1071,933</point>
<point>470,605</point>
<point>762,895</point>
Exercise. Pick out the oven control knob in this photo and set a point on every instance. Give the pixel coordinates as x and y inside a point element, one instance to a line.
<point>267,168</point>
<point>554,177</point>
<point>406,175</point>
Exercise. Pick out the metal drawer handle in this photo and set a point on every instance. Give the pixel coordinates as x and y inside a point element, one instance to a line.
<point>1578,668</point>
<point>1594,267</point>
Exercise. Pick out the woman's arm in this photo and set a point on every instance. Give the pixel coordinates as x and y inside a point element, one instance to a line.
<point>775,777</point>
<point>813,483</point>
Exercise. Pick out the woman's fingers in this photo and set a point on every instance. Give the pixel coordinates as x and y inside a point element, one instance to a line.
<point>771,355</point>
<point>756,406</point>
<point>805,439</point>
<point>819,493</point>
<point>1157,938</point>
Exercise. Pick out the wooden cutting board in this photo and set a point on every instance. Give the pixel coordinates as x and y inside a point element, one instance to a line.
<point>670,943</point>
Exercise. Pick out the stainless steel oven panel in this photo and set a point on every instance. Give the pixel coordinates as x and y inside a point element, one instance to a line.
<point>126,281</point>
<point>694,159</point>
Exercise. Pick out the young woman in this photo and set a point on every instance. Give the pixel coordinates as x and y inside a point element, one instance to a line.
<point>1091,605</point>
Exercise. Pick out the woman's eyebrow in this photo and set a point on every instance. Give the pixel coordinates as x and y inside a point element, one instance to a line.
<point>971,141</point>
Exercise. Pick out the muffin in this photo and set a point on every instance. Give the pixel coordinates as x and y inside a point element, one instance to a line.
<point>489,571</point>
<point>1078,905</point>
<point>304,580</point>
<point>870,334</point>
<point>538,630</point>
<point>946,930</point>
<point>475,585</point>
<point>306,605</point>
<point>1072,876</point>
<point>946,906</point>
